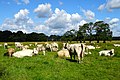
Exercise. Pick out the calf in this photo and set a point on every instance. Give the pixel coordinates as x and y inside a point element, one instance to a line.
<point>10,51</point>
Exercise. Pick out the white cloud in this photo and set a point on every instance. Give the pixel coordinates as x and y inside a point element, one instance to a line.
<point>18,2</point>
<point>110,4</point>
<point>114,26</point>
<point>21,14</point>
<point>61,21</point>
<point>26,1</point>
<point>9,24</point>
<point>61,3</point>
<point>21,21</point>
<point>76,17</point>
<point>101,7</point>
<point>22,1</point>
<point>43,10</point>
<point>82,22</point>
<point>41,28</point>
<point>114,21</point>
<point>89,14</point>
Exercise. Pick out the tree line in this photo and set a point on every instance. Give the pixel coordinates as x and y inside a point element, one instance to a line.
<point>89,31</point>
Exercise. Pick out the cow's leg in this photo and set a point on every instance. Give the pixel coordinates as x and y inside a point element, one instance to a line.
<point>10,55</point>
<point>74,56</point>
<point>70,56</point>
<point>78,58</point>
<point>81,56</point>
<point>43,52</point>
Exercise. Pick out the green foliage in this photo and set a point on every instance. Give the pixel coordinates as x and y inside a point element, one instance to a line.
<point>50,67</point>
<point>102,31</point>
<point>69,35</point>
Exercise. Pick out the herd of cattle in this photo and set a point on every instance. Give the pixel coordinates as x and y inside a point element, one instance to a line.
<point>68,50</point>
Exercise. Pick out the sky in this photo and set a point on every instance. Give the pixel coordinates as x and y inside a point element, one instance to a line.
<point>55,17</point>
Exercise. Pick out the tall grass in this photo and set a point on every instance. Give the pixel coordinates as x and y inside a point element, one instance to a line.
<point>51,67</point>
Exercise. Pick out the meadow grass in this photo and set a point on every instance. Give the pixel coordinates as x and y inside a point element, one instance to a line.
<point>51,67</point>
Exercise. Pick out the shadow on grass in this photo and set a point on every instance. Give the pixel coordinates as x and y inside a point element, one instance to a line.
<point>72,60</point>
<point>5,54</point>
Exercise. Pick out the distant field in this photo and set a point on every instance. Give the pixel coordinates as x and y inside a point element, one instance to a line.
<point>50,67</point>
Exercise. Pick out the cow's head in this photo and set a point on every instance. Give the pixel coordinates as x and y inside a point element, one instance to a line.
<point>35,51</point>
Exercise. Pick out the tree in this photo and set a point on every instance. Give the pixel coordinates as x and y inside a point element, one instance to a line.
<point>90,28</point>
<point>54,37</point>
<point>82,32</point>
<point>102,31</point>
<point>33,37</point>
<point>5,35</point>
<point>42,37</point>
<point>70,35</point>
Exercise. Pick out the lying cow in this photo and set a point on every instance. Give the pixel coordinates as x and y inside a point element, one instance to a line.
<point>107,52</point>
<point>63,53</point>
<point>26,52</point>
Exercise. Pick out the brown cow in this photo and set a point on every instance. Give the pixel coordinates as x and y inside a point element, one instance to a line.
<point>10,51</point>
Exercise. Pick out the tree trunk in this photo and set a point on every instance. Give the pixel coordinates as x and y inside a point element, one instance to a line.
<point>97,41</point>
<point>80,41</point>
<point>89,41</point>
<point>84,41</point>
<point>104,41</point>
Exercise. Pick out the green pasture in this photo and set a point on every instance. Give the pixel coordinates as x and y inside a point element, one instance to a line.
<point>51,67</point>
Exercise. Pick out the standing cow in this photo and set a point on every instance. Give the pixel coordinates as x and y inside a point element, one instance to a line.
<point>76,49</point>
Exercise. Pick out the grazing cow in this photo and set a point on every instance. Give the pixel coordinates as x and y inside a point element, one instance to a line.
<point>48,46</point>
<point>52,47</point>
<point>18,45</point>
<point>107,52</point>
<point>26,52</point>
<point>41,47</point>
<point>54,44</point>
<point>76,49</point>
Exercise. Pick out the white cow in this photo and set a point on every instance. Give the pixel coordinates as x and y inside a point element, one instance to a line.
<point>52,46</point>
<point>116,45</point>
<point>41,47</point>
<point>24,47</point>
<point>18,45</point>
<point>5,45</point>
<point>48,46</point>
<point>63,53</point>
<point>90,47</point>
<point>26,52</point>
<point>76,49</point>
<point>107,52</point>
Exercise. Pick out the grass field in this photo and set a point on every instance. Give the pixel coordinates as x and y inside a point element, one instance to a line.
<point>50,67</point>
